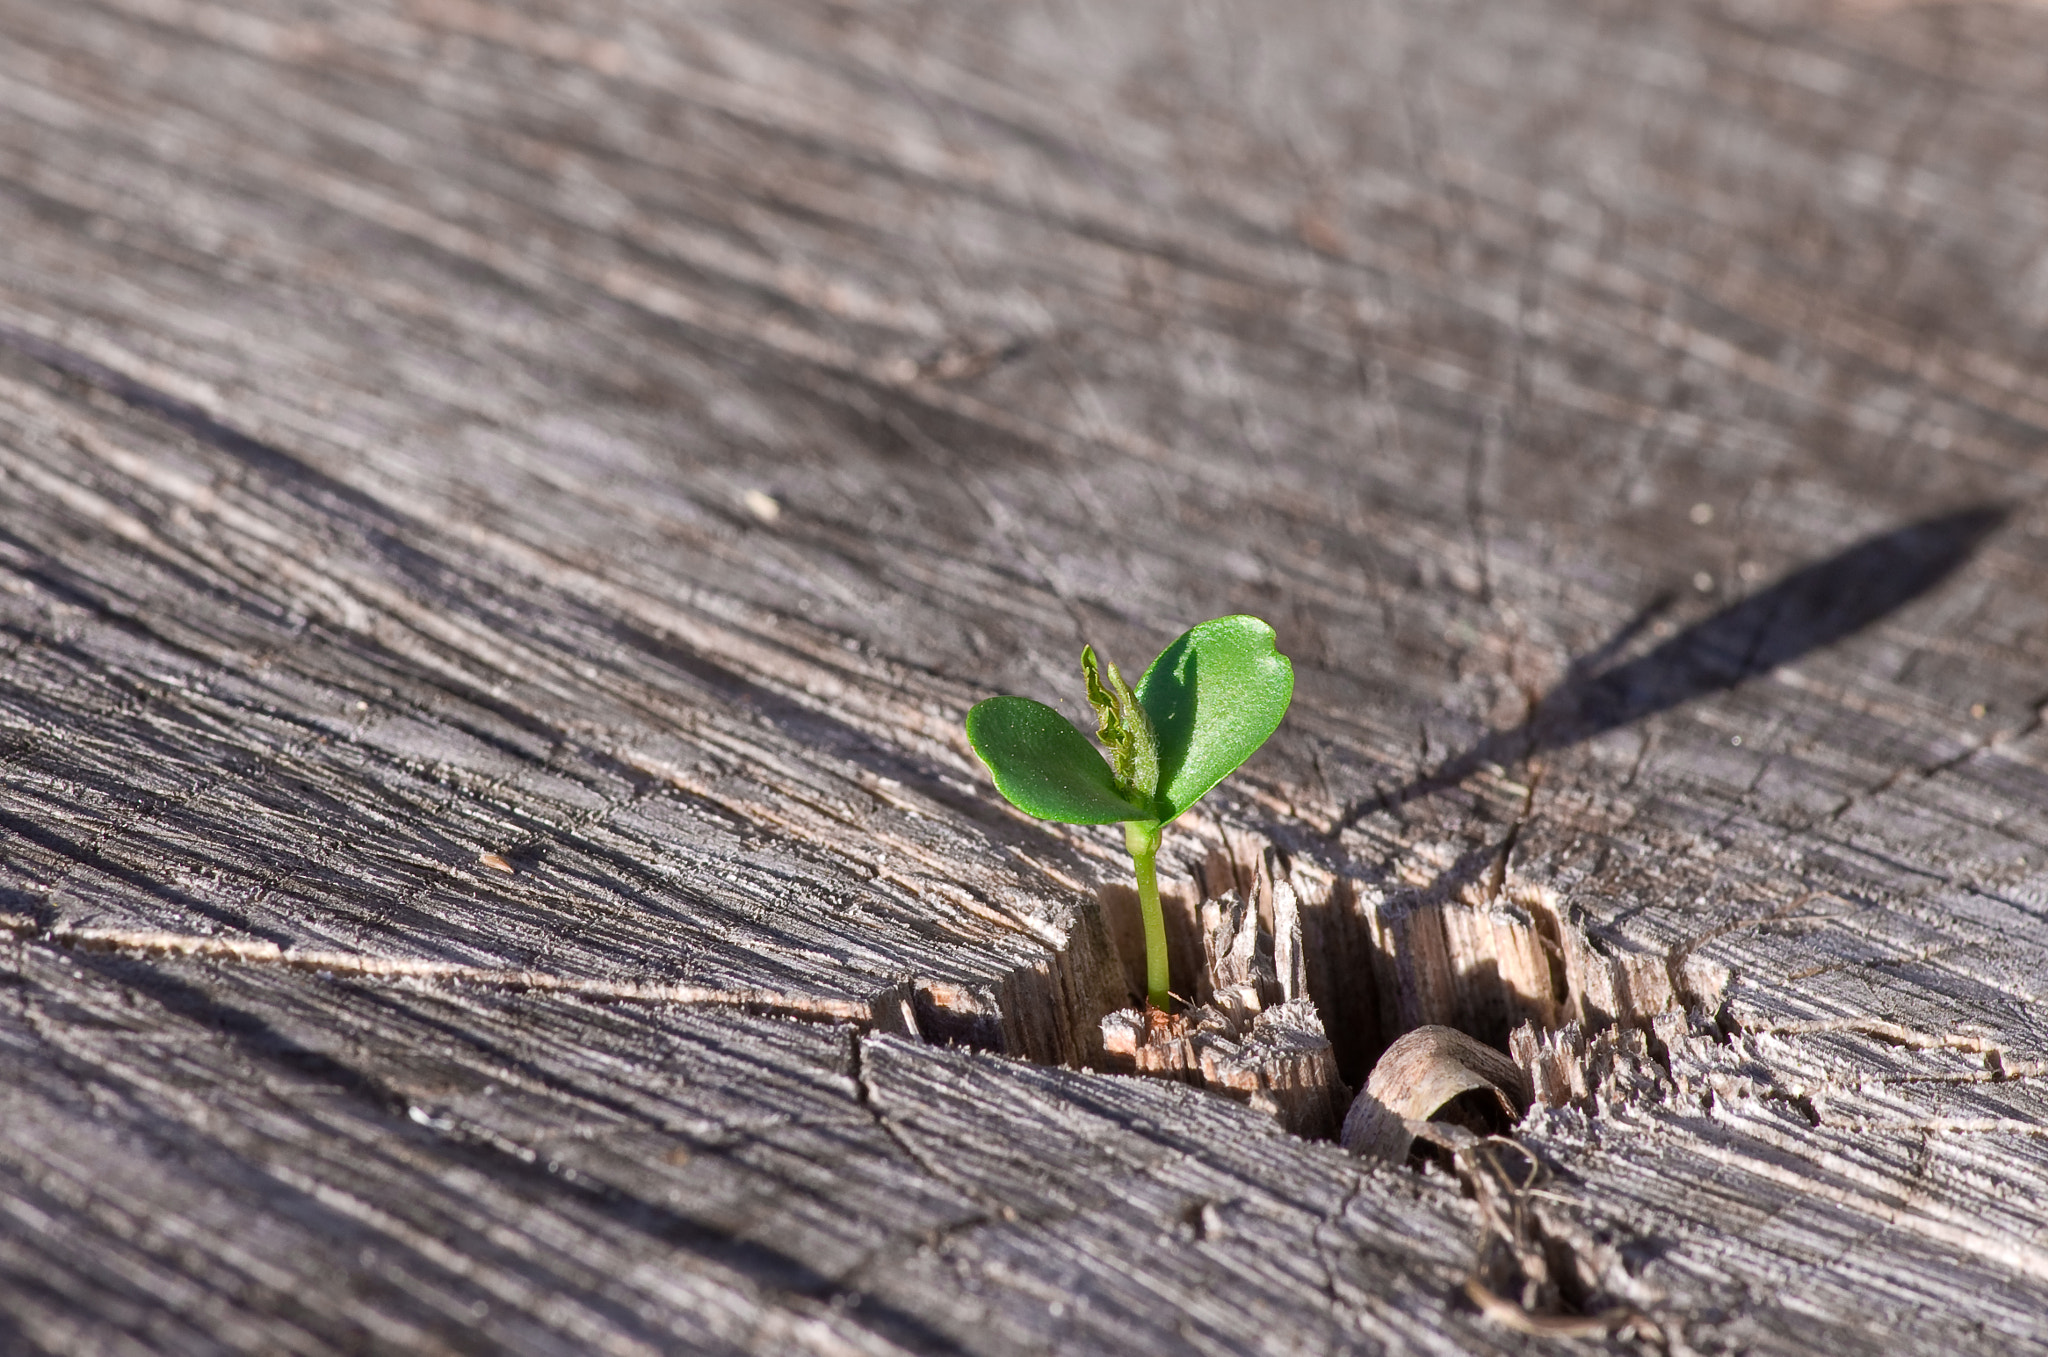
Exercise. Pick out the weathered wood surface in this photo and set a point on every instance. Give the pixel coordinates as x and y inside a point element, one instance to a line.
<point>623,439</point>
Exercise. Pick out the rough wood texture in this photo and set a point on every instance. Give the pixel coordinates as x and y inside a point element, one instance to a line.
<point>617,441</point>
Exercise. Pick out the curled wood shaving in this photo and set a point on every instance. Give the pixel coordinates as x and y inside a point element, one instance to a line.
<point>1415,1078</point>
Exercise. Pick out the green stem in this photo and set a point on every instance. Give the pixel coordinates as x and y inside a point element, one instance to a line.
<point>1141,837</point>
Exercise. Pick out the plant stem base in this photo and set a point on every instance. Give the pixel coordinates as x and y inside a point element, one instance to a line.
<point>1142,839</point>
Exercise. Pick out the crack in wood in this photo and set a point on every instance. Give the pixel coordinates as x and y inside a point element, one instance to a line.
<point>1898,1034</point>
<point>354,965</point>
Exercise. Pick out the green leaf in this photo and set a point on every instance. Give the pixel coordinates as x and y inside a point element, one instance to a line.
<point>1124,729</point>
<point>1044,766</point>
<point>1214,696</point>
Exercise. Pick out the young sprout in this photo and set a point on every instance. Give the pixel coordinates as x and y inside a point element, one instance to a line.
<point>1207,702</point>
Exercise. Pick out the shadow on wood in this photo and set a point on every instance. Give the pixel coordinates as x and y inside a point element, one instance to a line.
<point>1814,606</point>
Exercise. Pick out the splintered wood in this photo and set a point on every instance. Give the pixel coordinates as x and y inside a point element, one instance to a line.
<point>1614,1068</point>
<point>1471,960</point>
<point>1268,1022</point>
<point>1257,1036</point>
<point>1276,1059</point>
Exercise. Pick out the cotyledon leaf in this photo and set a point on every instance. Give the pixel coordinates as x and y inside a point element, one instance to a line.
<point>1214,696</point>
<point>1044,766</point>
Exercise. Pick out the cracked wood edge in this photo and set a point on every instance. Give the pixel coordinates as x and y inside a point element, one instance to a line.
<point>643,1201</point>
<point>137,943</point>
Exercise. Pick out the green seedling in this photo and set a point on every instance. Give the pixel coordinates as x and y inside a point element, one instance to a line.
<point>1200,710</point>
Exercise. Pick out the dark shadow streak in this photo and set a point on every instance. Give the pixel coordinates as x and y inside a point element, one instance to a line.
<point>1812,607</point>
<point>384,531</point>
<point>146,885</point>
<point>198,423</point>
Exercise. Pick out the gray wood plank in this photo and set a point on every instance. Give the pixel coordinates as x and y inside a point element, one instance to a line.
<point>622,440</point>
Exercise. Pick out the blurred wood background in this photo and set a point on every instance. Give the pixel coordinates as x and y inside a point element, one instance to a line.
<point>504,503</point>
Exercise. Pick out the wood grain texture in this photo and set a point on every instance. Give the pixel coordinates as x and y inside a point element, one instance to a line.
<point>623,438</point>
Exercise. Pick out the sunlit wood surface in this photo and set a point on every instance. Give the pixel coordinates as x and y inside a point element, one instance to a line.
<point>504,505</point>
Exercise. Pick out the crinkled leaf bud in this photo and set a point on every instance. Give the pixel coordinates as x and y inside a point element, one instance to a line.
<point>1125,729</point>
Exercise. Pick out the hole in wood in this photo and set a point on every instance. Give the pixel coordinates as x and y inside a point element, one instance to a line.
<point>1293,982</point>
<point>1275,944</point>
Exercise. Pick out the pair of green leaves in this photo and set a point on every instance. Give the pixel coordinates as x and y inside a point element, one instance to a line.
<point>1200,710</point>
